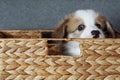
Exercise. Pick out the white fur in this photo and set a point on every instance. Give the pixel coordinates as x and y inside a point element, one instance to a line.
<point>72,48</point>
<point>88,17</point>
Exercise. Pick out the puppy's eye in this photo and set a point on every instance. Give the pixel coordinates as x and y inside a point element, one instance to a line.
<point>98,25</point>
<point>81,27</point>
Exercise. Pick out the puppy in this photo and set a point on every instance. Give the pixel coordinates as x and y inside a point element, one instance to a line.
<point>82,24</point>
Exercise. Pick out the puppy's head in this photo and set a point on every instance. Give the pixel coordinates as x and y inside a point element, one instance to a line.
<point>84,24</point>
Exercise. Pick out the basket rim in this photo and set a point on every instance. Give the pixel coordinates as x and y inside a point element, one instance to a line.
<point>69,39</point>
<point>28,30</point>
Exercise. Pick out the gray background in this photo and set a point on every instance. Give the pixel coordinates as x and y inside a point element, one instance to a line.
<point>45,14</point>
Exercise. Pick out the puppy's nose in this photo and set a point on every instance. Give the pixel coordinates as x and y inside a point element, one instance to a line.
<point>95,32</point>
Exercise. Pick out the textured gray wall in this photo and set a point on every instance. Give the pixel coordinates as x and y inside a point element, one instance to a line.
<point>45,14</point>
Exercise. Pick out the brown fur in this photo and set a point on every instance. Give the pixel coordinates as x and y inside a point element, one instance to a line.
<point>101,20</point>
<point>106,26</point>
<point>68,25</point>
<point>60,30</point>
<point>73,24</point>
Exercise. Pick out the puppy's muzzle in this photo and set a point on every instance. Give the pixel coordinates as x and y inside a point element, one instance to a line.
<point>95,33</point>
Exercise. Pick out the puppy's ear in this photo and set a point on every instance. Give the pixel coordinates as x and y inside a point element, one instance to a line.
<point>61,30</point>
<point>110,30</point>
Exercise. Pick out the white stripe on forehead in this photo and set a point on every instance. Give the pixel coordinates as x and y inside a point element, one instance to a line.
<point>88,16</point>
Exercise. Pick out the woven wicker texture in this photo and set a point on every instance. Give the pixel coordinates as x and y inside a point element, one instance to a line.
<point>99,60</point>
<point>60,68</point>
<point>28,59</point>
<point>103,57</point>
<point>14,51</point>
<point>22,33</point>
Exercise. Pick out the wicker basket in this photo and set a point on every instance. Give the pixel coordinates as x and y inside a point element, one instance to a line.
<point>24,55</point>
